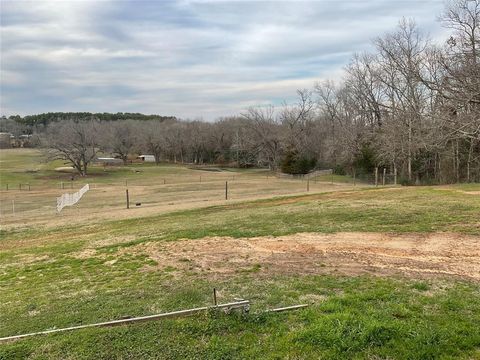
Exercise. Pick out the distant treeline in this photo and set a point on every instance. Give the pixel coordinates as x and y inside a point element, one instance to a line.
<point>408,109</point>
<point>46,118</point>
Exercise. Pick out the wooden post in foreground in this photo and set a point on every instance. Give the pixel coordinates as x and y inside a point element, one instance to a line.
<point>395,175</point>
<point>128,199</point>
<point>384,174</point>
<point>226,190</point>
<point>215,296</point>
<point>354,177</point>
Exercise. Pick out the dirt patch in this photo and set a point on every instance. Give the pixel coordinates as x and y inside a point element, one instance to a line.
<point>420,255</point>
<point>64,168</point>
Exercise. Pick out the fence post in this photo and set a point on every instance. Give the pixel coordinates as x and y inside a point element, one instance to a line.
<point>384,174</point>
<point>376,176</point>
<point>226,190</point>
<point>395,176</point>
<point>308,184</point>
<point>128,199</point>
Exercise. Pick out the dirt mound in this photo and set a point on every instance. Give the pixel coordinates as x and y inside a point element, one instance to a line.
<point>345,253</point>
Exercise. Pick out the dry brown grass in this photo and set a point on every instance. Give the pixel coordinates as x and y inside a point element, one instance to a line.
<point>108,201</point>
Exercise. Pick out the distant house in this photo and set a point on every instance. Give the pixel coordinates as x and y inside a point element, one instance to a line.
<point>109,161</point>
<point>147,158</point>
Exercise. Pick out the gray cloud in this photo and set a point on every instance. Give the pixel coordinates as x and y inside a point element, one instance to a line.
<point>184,58</point>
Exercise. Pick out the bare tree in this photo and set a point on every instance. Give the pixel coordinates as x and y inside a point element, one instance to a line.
<point>120,137</point>
<point>75,142</point>
<point>267,135</point>
<point>402,53</point>
<point>153,139</point>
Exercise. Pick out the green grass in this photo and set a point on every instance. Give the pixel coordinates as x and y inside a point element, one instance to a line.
<point>29,166</point>
<point>398,210</point>
<point>45,283</point>
<point>358,317</point>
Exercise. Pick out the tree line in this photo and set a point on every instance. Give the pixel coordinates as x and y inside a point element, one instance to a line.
<point>410,106</point>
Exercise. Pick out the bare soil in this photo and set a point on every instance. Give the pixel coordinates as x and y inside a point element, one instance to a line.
<point>414,255</point>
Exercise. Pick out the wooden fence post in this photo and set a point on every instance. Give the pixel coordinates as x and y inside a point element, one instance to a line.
<point>384,174</point>
<point>308,185</point>
<point>376,176</point>
<point>128,199</point>
<point>226,190</point>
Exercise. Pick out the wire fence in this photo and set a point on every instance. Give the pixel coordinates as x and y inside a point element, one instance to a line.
<point>161,191</point>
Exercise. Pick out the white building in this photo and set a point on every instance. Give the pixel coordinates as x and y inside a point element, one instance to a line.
<point>147,158</point>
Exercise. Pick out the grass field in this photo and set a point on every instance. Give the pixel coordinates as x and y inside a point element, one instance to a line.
<point>389,273</point>
<point>163,188</point>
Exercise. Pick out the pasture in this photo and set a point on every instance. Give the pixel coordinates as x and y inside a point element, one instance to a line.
<point>389,273</point>
<point>158,189</point>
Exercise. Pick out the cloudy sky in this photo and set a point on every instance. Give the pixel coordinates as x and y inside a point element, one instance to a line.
<point>185,58</point>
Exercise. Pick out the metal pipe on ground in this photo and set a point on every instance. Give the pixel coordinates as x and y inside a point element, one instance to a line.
<point>243,304</point>
<point>286,308</point>
<point>235,305</point>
